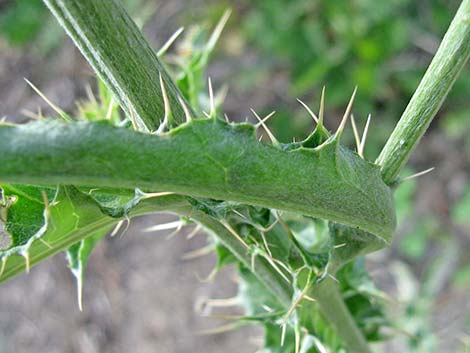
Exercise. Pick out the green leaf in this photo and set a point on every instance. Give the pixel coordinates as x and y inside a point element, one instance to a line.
<point>362,298</point>
<point>25,212</point>
<point>224,256</point>
<point>104,107</point>
<point>253,295</point>
<point>272,339</point>
<point>39,229</point>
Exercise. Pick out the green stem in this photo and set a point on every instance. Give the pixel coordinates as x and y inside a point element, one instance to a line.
<point>120,55</point>
<point>335,311</point>
<point>203,158</point>
<point>426,101</point>
<point>261,269</point>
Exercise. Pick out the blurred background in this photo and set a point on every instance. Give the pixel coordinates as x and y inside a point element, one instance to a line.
<point>140,293</point>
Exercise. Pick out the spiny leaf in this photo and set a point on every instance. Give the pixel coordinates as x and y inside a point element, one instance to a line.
<point>72,216</point>
<point>25,212</point>
<point>39,230</point>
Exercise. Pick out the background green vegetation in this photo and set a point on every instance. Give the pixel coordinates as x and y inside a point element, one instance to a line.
<point>382,47</point>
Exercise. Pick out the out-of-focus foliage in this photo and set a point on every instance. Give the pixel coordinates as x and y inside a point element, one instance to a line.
<point>421,279</point>
<point>27,22</point>
<point>461,210</point>
<point>381,46</point>
<point>188,65</point>
<point>20,21</point>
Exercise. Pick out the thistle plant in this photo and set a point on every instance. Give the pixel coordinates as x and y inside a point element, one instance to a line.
<point>296,218</point>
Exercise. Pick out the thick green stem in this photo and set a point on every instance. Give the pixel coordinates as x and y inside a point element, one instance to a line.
<point>335,311</point>
<point>203,158</point>
<point>426,101</point>
<point>120,55</point>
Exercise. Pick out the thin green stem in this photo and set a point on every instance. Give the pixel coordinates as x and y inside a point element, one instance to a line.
<point>122,58</point>
<point>261,268</point>
<point>444,69</point>
<point>335,311</point>
<point>326,293</point>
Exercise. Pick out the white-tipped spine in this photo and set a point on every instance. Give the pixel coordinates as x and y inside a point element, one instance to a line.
<point>347,113</point>
<point>310,112</point>
<point>270,134</point>
<point>166,106</point>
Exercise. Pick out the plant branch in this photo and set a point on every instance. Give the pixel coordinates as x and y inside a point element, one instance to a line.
<point>120,55</point>
<point>261,269</point>
<point>265,273</point>
<point>204,158</point>
<point>426,101</point>
<point>337,314</point>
